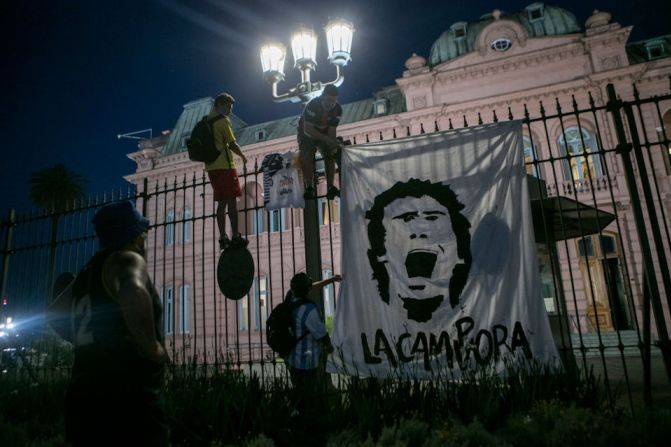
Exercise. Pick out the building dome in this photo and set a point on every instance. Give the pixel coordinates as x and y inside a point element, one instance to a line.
<point>538,19</point>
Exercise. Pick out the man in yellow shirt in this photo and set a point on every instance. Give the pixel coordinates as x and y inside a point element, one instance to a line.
<point>222,172</point>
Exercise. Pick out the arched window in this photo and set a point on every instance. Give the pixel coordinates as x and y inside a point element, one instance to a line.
<point>243,313</point>
<point>259,299</point>
<point>253,216</point>
<point>170,227</point>
<point>186,226</point>
<point>257,223</point>
<point>278,220</point>
<point>260,294</point>
<point>168,310</point>
<point>184,315</point>
<point>329,294</point>
<point>584,163</point>
<point>530,154</point>
<point>329,211</point>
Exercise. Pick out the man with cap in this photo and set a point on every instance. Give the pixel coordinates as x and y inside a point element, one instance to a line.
<point>222,171</point>
<point>317,130</point>
<point>114,396</point>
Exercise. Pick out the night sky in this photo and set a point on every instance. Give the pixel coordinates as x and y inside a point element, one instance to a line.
<point>77,73</point>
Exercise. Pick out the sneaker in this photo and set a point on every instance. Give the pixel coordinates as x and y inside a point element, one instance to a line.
<point>239,242</point>
<point>310,193</point>
<point>332,193</point>
<point>224,242</point>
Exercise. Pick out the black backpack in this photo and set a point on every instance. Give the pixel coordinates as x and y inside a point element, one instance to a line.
<point>201,145</point>
<point>280,327</point>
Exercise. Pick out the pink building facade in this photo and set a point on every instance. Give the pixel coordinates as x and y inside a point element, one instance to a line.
<point>538,64</point>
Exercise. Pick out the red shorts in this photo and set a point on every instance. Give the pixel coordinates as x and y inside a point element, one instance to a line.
<point>225,184</point>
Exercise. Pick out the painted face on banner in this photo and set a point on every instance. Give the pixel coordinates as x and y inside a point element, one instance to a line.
<point>419,247</point>
<point>421,253</point>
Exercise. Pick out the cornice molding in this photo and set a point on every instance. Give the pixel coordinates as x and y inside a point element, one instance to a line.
<point>617,36</point>
<point>418,81</point>
<point>500,103</point>
<point>515,63</point>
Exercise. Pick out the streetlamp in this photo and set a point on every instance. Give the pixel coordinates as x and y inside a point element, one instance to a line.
<point>304,49</point>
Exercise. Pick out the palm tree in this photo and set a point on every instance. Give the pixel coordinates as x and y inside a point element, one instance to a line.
<point>55,189</point>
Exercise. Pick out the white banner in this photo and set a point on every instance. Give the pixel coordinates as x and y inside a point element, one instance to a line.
<point>282,184</point>
<point>439,261</point>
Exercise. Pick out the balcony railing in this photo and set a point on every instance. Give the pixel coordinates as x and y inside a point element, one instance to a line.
<point>583,187</point>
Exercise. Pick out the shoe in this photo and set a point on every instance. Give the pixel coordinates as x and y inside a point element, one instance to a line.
<point>239,242</point>
<point>310,193</point>
<point>224,242</point>
<point>332,193</point>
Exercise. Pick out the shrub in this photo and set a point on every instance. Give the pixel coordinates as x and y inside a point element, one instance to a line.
<point>471,435</point>
<point>346,438</point>
<point>408,433</point>
<point>207,407</point>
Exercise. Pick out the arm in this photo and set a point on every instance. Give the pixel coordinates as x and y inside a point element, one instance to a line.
<point>229,138</point>
<point>327,281</point>
<point>237,151</point>
<point>125,276</point>
<point>328,138</point>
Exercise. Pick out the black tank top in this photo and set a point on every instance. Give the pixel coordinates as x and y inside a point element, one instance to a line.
<point>102,341</point>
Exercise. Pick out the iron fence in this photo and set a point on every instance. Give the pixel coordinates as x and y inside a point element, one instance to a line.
<point>599,175</point>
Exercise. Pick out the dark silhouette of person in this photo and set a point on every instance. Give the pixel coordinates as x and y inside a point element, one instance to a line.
<point>115,393</point>
<point>223,173</point>
<point>414,230</point>
<point>307,377</point>
<point>317,131</point>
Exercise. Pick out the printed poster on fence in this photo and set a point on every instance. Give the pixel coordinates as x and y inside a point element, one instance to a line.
<point>439,262</point>
<point>282,184</point>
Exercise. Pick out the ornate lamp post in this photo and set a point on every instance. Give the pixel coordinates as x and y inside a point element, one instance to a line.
<point>304,49</point>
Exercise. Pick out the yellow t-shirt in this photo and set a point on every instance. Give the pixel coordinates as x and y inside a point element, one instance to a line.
<point>223,136</point>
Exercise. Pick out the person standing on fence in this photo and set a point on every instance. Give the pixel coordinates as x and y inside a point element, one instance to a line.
<point>317,130</point>
<point>223,174</point>
<point>311,334</point>
<point>115,392</point>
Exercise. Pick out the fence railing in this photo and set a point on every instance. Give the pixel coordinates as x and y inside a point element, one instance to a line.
<point>605,274</point>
